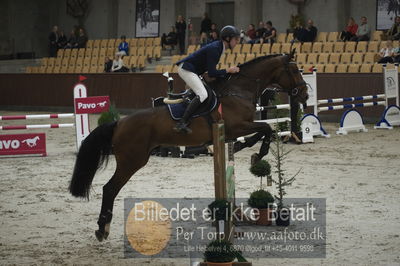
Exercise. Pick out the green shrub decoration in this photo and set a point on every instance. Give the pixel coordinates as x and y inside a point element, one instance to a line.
<point>220,208</point>
<point>261,168</point>
<point>260,199</point>
<point>110,116</point>
<point>277,113</point>
<point>300,115</point>
<point>220,251</point>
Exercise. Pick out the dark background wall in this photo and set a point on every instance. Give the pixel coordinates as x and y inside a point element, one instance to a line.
<point>25,24</point>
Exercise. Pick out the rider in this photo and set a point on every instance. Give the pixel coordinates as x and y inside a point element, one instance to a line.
<point>205,59</point>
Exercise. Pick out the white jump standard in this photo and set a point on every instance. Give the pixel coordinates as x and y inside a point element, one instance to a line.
<point>352,120</point>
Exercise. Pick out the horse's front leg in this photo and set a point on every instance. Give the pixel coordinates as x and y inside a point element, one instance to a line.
<point>263,131</point>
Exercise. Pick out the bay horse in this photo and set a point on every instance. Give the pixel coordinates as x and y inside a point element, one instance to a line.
<point>132,138</point>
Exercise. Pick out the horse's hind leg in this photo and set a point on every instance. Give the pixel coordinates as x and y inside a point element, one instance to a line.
<point>125,169</point>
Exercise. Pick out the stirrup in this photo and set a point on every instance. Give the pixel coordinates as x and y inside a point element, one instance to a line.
<point>182,127</point>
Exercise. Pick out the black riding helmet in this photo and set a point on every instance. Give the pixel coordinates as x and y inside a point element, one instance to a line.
<point>229,32</point>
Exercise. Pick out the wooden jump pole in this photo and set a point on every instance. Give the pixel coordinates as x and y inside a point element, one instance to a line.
<point>220,178</point>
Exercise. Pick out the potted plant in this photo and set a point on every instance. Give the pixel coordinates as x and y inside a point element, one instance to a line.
<point>262,199</point>
<point>110,116</point>
<point>220,210</point>
<point>221,253</point>
<point>282,214</point>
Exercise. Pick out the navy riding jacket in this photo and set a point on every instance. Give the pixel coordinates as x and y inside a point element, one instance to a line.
<point>205,59</point>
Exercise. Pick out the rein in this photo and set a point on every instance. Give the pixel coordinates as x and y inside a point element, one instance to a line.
<point>292,92</point>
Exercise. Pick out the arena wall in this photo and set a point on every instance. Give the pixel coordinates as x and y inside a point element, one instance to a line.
<point>37,92</point>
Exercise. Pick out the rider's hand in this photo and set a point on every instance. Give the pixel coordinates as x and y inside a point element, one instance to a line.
<point>233,70</point>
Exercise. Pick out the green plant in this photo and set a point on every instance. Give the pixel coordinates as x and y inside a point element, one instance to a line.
<point>296,20</point>
<point>110,116</point>
<point>277,113</point>
<point>260,199</point>
<point>281,182</point>
<point>300,114</point>
<point>220,251</point>
<point>261,169</point>
<point>220,210</point>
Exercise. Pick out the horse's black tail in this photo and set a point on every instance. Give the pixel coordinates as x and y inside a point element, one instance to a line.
<point>94,151</point>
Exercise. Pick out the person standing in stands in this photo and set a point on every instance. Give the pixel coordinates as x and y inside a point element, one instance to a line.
<point>62,40</point>
<point>53,40</point>
<point>205,24</point>
<point>350,31</point>
<point>82,39</point>
<point>72,41</point>
<point>180,27</point>
<point>123,47</point>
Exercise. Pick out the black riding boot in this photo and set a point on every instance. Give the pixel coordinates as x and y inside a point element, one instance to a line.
<point>182,125</point>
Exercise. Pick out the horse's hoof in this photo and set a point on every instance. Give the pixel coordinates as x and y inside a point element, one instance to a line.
<point>254,158</point>
<point>106,231</point>
<point>100,235</point>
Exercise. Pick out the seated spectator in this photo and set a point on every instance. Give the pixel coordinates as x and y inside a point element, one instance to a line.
<point>123,47</point>
<point>250,34</point>
<point>269,33</point>
<point>350,31</point>
<point>171,38</point>
<point>387,53</point>
<point>363,32</point>
<point>214,29</point>
<point>53,39</point>
<point>213,37</point>
<point>309,33</point>
<point>394,32</point>
<point>118,64</point>
<point>108,63</point>
<point>82,39</point>
<point>259,33</point>
<point>72,41</point>
<point>203,39</point>
<point>62,40</point>
<point>297,31</point>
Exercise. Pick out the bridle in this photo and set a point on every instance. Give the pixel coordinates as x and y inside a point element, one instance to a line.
<point>259,81</point>
<point>295,89</point>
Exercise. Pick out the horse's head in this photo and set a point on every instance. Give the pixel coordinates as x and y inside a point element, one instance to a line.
<point>288,76</point>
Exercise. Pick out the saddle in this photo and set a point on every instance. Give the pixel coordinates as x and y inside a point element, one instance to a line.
<point>177,103</point>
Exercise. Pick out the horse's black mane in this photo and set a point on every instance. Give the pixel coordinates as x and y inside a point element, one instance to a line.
<point>220,81</point>
<point>257,59</point>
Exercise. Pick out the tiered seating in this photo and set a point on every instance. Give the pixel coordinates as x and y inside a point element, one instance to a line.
<point>328,54</point>
<point>91,59</point>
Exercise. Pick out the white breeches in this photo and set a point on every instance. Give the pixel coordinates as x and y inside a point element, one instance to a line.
<point>194,82</point>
